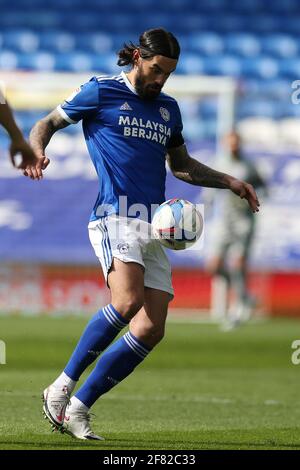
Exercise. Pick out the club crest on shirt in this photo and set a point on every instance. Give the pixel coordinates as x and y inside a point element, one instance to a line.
<point>165,114</point>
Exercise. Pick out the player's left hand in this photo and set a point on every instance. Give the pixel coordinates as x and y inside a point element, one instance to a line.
<point>28,157</point>
<point>35,172</point>
<point>245,191</point>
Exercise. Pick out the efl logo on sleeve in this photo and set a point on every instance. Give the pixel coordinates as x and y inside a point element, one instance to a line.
<point>72,96</point>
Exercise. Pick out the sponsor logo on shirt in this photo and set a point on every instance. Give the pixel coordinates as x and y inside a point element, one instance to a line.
<point>145,129</point>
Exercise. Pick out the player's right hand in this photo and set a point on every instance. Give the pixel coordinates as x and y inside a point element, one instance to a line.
<point>245,191</point>
<point>35,172</point>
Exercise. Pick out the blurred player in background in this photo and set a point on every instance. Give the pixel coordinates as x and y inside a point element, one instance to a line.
<point>130,128</point>
<point>18,143</point>
<point>235,232</point>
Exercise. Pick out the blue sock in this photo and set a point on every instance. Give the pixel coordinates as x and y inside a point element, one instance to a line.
<point>99,333</point>
<point>118,361</point>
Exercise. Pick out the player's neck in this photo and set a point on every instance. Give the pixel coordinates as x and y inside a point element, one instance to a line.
<point>131,76</point>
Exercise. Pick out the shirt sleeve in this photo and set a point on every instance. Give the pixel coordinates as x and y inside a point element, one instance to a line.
<point>82,103</point>
<point>176,139</point>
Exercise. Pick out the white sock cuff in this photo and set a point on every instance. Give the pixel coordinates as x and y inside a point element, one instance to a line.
<point>76,404</point>
<point>65,381</point>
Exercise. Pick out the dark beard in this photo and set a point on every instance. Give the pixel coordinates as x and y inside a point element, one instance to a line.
<point>145,92</point>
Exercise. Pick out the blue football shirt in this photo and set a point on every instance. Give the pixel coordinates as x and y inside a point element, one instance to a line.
<point>127,139</point>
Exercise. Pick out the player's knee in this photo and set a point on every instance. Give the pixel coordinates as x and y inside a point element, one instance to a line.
<point>134,305</point>
<point>158,336</point>
<point>129,306</point>
<point>153,334</point>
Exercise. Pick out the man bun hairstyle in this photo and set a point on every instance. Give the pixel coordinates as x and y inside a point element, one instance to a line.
<point>153,42</point>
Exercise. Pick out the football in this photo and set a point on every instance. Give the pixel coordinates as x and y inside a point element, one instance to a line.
<point>177,224</point>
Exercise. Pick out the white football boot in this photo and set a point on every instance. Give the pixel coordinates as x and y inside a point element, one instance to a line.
<point>77,424</point>
<point>55,401</point>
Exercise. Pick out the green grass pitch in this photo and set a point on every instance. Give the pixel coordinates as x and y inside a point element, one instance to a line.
<point>200,389</point>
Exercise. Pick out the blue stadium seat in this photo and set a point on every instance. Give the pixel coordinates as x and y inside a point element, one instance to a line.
<point>85,21</point>
<point>97,43</point>
<point>74,62</point>
<point>228,65</point>
<point>290,68</point>
<point>261,67</point>
<point>289,109</point>
<point>36,61</point>
<point>290,25</point>
<point>290,6</point>
<point>206,43</point>
<point>119,39</point>
<point>246,6</point>
<point>277,88</point>
<point>21,41</point>
<point>57,41</point>
<point>263,23</point>
<point>227,23</point>
<point>35,20</point>
<point>243,44</point>
<point>191,23</point>
<point>190,64</point>
<point>207,108</point>
<point>131,6</point>
<point>280,45</point>
<point>170,21</point>
<point>184,41</point>
<point>178,6</point>
<point>105,63</point>
<point>8,60</point>
<point>70,4</point>
<point>263,108</point>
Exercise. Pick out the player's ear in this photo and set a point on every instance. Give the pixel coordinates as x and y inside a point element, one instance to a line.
<point>135,56</point>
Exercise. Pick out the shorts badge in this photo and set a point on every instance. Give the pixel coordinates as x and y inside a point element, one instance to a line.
<point>123,248</point>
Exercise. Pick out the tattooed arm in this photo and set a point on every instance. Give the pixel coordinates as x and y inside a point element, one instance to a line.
<point>187,169</point>
<point>39,138</point>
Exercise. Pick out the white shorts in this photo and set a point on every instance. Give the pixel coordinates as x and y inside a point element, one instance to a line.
<point>129,240</point>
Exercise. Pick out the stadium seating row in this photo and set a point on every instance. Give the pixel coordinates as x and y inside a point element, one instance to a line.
<point>120,20</point>
<point>263,67</point>
<point>205,43</point>
<point>255,41</point>
<point>206,6</point>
